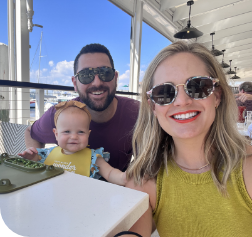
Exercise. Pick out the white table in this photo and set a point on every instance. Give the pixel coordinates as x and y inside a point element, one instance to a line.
<point>71,205</point>
<point>243,132</point>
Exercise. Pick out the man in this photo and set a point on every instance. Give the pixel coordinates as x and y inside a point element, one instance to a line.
<point>113,117</point>
<point>245,93</point>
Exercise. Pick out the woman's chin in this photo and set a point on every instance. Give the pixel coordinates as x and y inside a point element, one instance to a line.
<point>186,134</point>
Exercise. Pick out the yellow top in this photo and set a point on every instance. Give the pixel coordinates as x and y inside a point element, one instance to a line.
<point>190,205</point>
<point>78,162</point>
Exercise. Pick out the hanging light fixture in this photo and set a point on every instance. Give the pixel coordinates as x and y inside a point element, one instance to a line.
<point>230,71</point>
<point>223,64</point>
<point>235,76</point>
<point>189,31</point>
<point>214,51</point>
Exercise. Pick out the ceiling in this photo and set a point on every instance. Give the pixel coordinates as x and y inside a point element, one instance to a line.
<point>231,20</point>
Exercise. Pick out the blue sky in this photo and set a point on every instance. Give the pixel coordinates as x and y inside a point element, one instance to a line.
<point>70,25</point>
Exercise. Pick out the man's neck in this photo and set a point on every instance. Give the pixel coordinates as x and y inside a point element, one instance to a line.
<point>106,115</point>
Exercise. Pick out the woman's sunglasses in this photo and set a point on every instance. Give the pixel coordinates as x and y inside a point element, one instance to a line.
<point>87,75</point>
<point>196,87</point>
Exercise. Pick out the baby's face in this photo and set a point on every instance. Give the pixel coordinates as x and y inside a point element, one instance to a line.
<point>72,130</point>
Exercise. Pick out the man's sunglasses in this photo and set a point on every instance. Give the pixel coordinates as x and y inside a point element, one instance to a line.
<point>196,87</point>
<point>87,75</point>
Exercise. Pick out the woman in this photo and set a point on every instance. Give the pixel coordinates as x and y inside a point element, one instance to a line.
<point>190,158</point>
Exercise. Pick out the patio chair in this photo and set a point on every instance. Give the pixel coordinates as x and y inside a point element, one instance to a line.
<point>12,138</point>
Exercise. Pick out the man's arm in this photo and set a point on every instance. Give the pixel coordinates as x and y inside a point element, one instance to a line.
<point>243,97</point>
<point>29,142</point>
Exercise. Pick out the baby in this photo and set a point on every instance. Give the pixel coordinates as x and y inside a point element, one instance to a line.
<point>72,120</point>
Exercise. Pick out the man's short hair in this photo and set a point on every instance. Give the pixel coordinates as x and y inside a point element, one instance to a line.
<point>93,48</point>
<point>246,86</point>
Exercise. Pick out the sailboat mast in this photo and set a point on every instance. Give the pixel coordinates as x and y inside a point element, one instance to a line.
<point>40,55</point>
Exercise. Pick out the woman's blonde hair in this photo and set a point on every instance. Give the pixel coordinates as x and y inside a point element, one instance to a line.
<point>152,146</point>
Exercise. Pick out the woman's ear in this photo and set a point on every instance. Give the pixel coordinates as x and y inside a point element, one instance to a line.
<point>152,106</point>
<point>218,94</point>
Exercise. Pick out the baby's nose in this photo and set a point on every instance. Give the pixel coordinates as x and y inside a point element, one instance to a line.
<point>74,135</point>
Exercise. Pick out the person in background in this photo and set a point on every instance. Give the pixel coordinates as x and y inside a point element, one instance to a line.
<point>188,154</point>
<point>245,93</point>
<point>113,117</point>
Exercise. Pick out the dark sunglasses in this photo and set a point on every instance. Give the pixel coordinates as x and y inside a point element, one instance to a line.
<point>197,88</point>
<point>87,75</point>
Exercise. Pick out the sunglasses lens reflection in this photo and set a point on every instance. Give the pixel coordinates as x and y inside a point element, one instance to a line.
<point>105,74</point>
<point>199,88</point>
<point>163,94</point>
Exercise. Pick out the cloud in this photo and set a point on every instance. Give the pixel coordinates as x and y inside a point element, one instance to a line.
<point>51,63</point>
<point>62,69</point>
<point>141,75</point>
<point>59,74</point>
<point>125,75</point>
<point>125,78</point>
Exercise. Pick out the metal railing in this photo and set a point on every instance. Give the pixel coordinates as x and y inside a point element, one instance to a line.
<point>25,102</point>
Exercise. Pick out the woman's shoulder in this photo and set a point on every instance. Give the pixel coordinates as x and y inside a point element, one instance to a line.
<point>247,170</point>
<point>148,186</point>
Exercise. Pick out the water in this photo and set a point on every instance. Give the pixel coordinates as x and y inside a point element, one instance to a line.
<point>32,114</point>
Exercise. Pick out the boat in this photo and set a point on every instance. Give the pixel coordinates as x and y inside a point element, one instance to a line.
<point>32,103</point>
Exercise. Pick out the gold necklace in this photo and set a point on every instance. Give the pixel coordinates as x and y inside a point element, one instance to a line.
<point>189,168</point>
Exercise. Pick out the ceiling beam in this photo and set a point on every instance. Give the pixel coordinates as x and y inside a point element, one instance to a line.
<point>230,39</point>
<point>200,7</point>
<point>241,64</point>
<point>225,33</point>
<point>240,57</point>
<point>241,61</point>
<point>226,23</point>
<point>236,46</point>
<point>238,53</point>
<point>170,4</point>
<point>221,14</point>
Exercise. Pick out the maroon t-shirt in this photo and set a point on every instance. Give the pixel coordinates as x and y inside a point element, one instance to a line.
<point>115,136</point>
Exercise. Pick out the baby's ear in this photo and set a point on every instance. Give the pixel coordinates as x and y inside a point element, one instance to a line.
<point>55,133</point>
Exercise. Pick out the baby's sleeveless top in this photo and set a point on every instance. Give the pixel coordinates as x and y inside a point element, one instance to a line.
<point>190,205</point>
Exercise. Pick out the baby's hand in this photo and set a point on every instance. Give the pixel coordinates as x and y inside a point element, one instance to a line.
<point>30,153</point>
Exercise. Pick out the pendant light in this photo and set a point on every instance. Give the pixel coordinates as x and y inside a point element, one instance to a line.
<point>223,64</point>
<point>214,51</point>
<point>189,31</point>
<point>230,71</point>
<point>235,76</point>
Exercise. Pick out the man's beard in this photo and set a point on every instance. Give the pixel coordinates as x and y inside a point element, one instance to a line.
<point>91,104</point>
